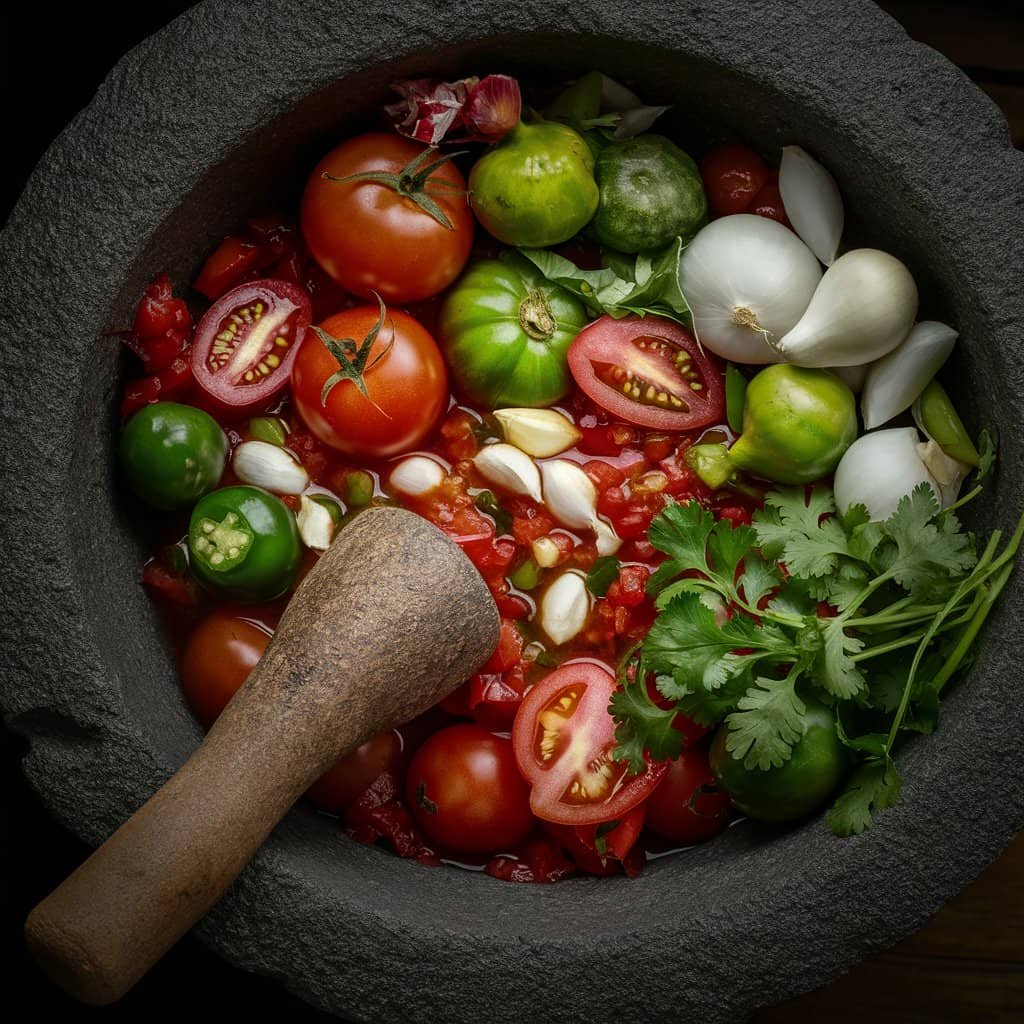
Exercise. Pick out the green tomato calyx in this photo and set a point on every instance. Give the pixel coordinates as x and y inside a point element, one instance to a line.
<point>412,181</point>
<point>223,545</point>
<point>536,317</point>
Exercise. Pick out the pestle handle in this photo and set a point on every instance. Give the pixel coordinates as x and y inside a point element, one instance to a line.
<point>391,618</point>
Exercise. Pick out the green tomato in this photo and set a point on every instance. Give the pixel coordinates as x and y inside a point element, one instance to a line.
<point>818,763</point>
<point>505,330</point>
<point>172,454</point>
<point>536,188</point>
<point>651,192</point>
<point>797,423</point>
<point>244,542</point>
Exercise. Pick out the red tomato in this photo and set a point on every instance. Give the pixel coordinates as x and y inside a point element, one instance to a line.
<point>732,175</point>
<point>370,237</point>
<point>340,787</point>
<point>219,655</point>
<point>688,806</point>
<point>227,266</point>
<point>466,793</point>
<point>648,371</point>
<point>405,380</point>
<point>768,203</point>
<point>563,736</point>
<point>157,387</point>
<point>246,343</point>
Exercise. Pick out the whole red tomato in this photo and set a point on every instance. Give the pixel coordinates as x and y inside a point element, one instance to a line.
<point>341,786</point>
<point>219,655</point>
<point>466,792</point>
<point>733,176</point>
<point>687,806</point>
<point>373,235</point>
<point>403,373</point>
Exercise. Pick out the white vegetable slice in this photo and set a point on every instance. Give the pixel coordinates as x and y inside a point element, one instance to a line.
<point>316,527</point>
<point>269,466</point>
<point>416,475</point>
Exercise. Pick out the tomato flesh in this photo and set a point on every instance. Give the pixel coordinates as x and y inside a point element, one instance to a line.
<point>247,341</point>
<point>563,737</point>
<point>648,371</point>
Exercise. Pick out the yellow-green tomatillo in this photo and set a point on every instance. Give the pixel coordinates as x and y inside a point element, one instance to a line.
<point>797,423</point>
<point>536,188</point>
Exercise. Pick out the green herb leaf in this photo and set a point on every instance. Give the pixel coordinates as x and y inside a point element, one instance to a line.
<point>873,787</point>
<point>488,502</point>
<point>987,455</point>
<point>836,670</point>
<point>604,573</point>
<point>642,727</point>
<point>769,721</point>
<point>793,529</point>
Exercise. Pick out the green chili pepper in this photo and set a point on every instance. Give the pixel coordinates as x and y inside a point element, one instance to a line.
<point>269,429</point>
<point>938,418</point>
<point>244,542</point>
<point>358,488</point>
<point>334,510</point>
<point>735,397</point>
<point>526,576</point>
<point>487,502</point>
<point>172,454</point>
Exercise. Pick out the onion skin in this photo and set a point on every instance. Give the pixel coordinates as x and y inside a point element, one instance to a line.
<point>863,308</point>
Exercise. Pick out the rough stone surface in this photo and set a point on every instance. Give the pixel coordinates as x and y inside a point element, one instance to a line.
<point>186,135</point>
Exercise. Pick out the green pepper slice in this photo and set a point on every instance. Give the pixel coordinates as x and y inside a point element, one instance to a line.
<point>243,541</point>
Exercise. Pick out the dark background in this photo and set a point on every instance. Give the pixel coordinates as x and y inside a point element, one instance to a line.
<point>967,966</point>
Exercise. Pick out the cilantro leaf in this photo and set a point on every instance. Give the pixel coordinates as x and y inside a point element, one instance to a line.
<point>688,643</point>
<point>873,787</point>
<point>759,578</point>
<point>642,726</point>
<point>796,533</point>
<point>836,670</point>
<point>706,707</point>
<point>727,546</point>
<point>681,532</point>
<point>987,455</point>
<point>769,721</point>
<point>928,552</point>
<point>603,573</point>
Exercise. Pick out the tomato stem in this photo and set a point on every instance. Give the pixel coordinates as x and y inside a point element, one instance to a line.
<point>536,317</point>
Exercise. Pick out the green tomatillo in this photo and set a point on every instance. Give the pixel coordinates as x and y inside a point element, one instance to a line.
<point>650,192</point>
<point>505,330</point>
<point>798,787</point>
<point>172,454</point>
<point>536,188</point>
<point>797,423</point>
<point>243,541</point>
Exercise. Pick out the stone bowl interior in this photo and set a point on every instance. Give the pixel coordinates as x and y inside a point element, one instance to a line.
<point>751,918</point>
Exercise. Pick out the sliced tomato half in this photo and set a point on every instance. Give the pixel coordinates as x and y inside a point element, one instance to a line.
<point>563,737</point>
<point>246,343</point>
<point>649,371</point>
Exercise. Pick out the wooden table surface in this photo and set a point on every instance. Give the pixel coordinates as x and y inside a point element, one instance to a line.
<point>967,965</point>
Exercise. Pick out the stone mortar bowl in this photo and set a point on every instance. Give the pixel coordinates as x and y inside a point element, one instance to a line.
<point>229,107</point>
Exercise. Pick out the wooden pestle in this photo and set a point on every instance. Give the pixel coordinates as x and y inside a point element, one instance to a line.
<point>391,619</point>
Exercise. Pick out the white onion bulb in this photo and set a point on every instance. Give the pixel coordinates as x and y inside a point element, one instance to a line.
<point>748,281</point>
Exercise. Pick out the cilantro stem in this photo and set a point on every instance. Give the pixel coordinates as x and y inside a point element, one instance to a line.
<point>875,584</point>
<point>907,641</point>
<point>964,499</point>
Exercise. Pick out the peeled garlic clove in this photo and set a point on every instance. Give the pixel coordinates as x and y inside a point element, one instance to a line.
<point>316,524</point>
<point>416,475</point>
<point>569,493</point>
<point>895,381</point>
<point>863,308</point>
<point>507,466</point>
<point>270,466</point>
<point>852,376</point>
<point>812,201</point>
<point>538,432</point>
<point>565,607</point>
<point>879,469</point>
<point>608,541</point>
<point>947,472</point>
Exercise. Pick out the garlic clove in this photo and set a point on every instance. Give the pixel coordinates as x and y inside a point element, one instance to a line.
<point>608,541</point>
<point>546,553</point>
<point>569,493</point>
<point>316,524</point>
<point>863,308</point>
<point>894,382</point>
<point>416,475</point>
<point>269,466</point>
<point>812,201</point>
<point>538,432</point>
<point>879,469</point>
<point>947,472</point>
<point>509,467</point>
<point>564,607</point>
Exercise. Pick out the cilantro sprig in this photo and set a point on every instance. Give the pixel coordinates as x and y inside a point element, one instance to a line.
<point>870,618</point>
